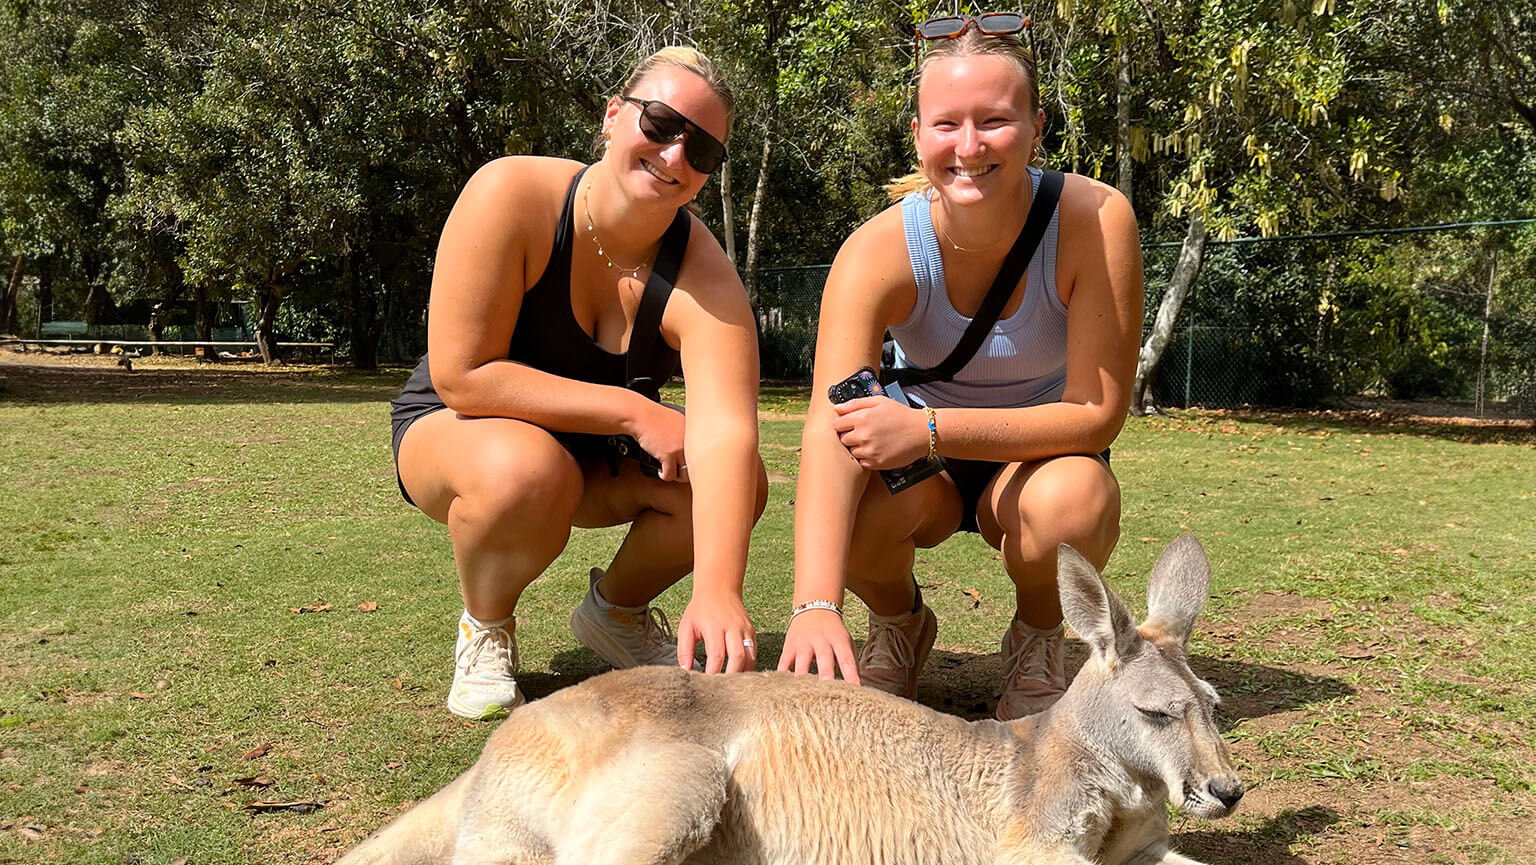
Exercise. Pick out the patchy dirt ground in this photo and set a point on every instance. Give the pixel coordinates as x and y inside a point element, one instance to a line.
<point>1339,768</point>
<point>1367,734</point>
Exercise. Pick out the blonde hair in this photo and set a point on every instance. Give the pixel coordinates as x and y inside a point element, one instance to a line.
<point>971,43</point>
<point>693,60</point>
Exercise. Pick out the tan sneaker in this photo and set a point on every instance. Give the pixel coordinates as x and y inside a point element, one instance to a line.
<point>1033,677</point>
<point>484,659</point>
<point>623,636</point>
<point>896,650</point>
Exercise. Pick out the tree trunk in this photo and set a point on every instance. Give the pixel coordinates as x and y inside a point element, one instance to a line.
<point>8,306</point>
<point>362,312</point>
<point>204,324</point>
<point>266,341</point>
<point>755,223</point>
<point>1123,118</point>
<point>162,308</point>
<point>99,308</point>
<point>1191,255</point>
<point>1325,302</point>
<point>728,211</point>
<point>44,293</point>
<point>1482,362</point>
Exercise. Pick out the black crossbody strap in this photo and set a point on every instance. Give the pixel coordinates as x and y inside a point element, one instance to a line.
<point>1014,265</point>
<point>646,334</point>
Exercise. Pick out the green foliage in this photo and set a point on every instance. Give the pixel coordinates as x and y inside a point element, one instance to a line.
<point>312,148</point>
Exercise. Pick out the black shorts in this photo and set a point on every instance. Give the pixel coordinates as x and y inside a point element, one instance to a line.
<point>971,478</point>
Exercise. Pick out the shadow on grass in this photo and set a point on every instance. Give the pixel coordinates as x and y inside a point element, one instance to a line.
<point>41,384</point>
<point>966,684</point>
<point>1512,430</point>
<point>1266,844</point>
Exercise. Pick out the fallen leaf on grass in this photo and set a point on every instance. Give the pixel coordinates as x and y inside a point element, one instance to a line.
<point>180,860</point>
<point>138,695</point>
<point>257,751</point>
<point>974,595</point>
<point>300,807</point>
<point>392,765</point>
<point>397,684</point>
<point>31,833</point>
<point>254,781</point>
<point>368,606</point>
<point>319,606</point>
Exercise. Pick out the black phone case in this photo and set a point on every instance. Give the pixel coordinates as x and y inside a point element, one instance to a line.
<point>864,383</point>
<point>625,446</point>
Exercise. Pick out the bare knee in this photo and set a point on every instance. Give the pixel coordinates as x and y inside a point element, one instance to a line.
<point>518,488</point>
<point>1071,500</point>
<point>760,502</point>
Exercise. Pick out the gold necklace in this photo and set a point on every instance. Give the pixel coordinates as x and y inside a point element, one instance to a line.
<point>634,272</point>
<point>955,246</point>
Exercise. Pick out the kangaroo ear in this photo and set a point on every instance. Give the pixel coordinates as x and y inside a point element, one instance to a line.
<point>1177,589</point>
<point>1093,611</point>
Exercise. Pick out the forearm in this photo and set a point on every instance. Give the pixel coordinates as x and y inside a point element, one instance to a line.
<point>1026,434</point>
<point>722,468</point>
<point>826,497</point>
<point>505,388</point>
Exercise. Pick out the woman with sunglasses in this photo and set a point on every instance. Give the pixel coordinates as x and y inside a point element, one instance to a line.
<point>1023,429</point>
<point>562,297</point>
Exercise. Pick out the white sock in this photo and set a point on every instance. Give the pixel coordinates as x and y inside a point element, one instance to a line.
<point>480,626</point>
<point>1044,632</point>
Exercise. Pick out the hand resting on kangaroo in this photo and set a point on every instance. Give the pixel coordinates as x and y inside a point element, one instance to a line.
<point>654,765</point>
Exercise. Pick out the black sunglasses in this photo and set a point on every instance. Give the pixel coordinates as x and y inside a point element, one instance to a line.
<point>951,26</point>
<point>662,123</point>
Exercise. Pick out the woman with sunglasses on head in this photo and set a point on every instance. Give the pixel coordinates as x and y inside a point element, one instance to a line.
<point>563,296</point>
<point>1023,428</point>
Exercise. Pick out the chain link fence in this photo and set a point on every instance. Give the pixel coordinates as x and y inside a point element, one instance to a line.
<point>1445,318</point>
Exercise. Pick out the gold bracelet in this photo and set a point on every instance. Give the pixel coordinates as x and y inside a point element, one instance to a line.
<point>933,433</point>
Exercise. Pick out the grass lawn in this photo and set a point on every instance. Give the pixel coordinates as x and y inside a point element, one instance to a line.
<point>162,533</point>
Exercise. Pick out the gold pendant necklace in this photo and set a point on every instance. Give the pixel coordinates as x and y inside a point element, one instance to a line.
<point>634,272</point>
<point>952,244</point>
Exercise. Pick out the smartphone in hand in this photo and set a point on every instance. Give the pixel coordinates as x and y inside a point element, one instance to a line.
<point>864,383</point>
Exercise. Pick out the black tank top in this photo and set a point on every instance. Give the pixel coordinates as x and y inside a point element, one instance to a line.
<point>548,337</point>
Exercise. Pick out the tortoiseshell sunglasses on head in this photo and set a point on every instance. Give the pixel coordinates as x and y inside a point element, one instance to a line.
<point>951,26</point>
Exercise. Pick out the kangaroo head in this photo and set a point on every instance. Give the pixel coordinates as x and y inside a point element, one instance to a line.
<point>1135,699</point>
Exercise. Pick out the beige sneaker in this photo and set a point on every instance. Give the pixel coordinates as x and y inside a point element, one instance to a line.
<point>1033,677</point>
<point>896,650</point>
<point>484,659</point>
<point>623,636</point>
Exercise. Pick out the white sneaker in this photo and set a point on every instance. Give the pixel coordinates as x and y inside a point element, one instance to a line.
<point>623,636</point>
<point>1033,675</point>
<point>484,659</point>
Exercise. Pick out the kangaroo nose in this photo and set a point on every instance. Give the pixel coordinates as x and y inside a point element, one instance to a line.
<point>1228,790</point>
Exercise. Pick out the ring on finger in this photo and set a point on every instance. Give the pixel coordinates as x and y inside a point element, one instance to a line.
<point>748,644</point>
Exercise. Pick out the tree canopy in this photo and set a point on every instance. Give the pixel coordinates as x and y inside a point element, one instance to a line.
<point>301,155</point>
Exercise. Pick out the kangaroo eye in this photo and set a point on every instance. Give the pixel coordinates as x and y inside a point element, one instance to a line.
<point>1155,716</point>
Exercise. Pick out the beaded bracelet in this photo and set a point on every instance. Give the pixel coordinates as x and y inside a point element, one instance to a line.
<point>933,432</point>
<point>815,605</point>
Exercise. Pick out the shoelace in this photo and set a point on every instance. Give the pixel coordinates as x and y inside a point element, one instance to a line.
<point>657,629</point>
<point>1033,658</point>
<point>887,647</point>
<point>474,656</point>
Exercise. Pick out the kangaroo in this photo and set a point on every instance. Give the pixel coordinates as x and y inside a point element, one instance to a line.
<point>657,766</point>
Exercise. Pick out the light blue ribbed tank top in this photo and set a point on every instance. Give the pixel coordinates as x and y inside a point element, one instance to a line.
<point>1021,362</point>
